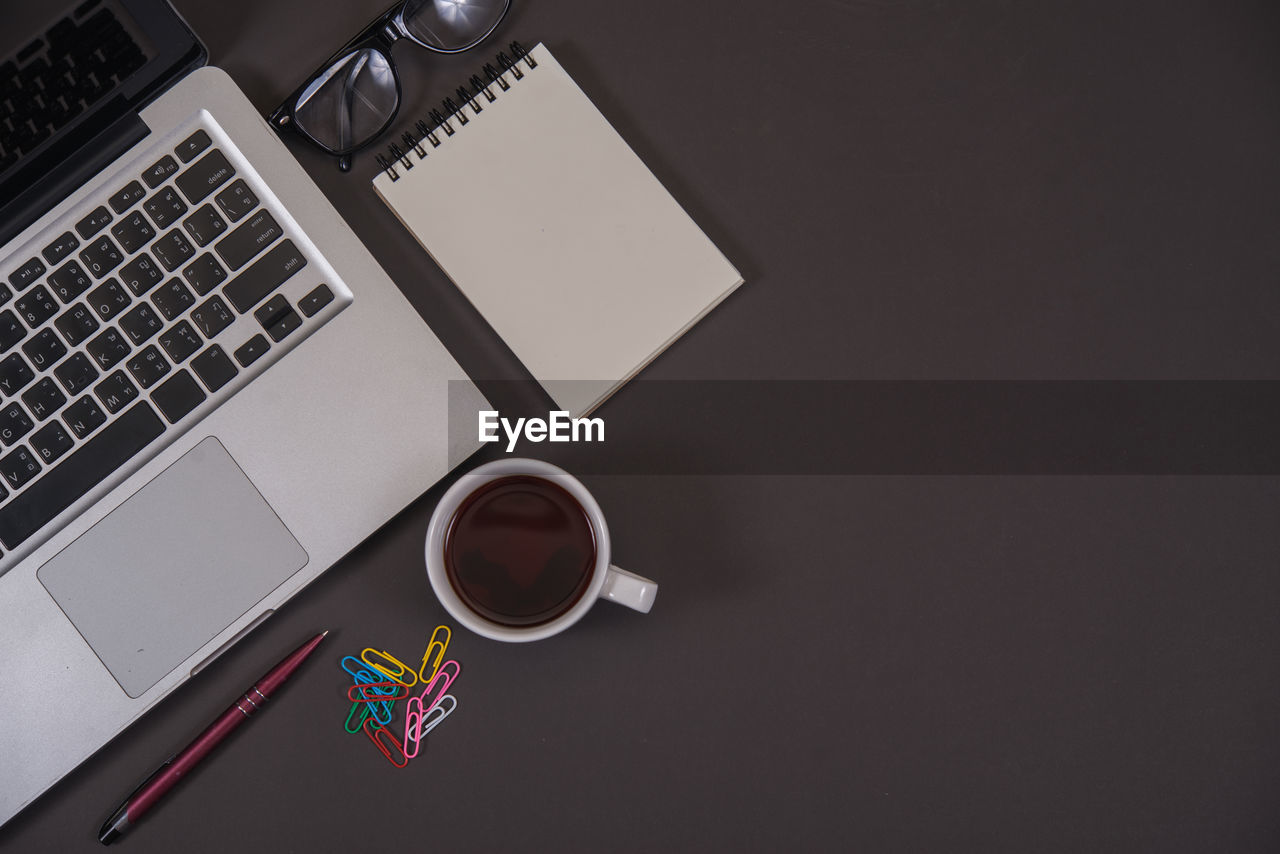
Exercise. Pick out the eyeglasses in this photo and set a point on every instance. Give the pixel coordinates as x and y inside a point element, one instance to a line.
<point>353,97</point>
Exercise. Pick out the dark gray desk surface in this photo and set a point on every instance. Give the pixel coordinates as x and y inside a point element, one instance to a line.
<point>912,190</point>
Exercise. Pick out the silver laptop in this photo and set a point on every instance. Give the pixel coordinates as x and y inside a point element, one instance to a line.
<point>209,391</point>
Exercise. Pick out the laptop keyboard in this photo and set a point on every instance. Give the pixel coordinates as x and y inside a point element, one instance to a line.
<point>122,330</point>
<point>53,79</point>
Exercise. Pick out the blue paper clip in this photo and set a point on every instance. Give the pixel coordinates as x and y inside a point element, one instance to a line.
<point>362,675</point>
<point>391,666</point>
<point>439,646</point>
<point>386,743</point>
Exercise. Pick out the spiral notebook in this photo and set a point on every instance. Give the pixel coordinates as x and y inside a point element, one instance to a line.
<point>553,228</point>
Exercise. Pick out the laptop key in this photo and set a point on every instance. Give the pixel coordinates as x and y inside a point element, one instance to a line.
<point>76,374</point>
<point>237,200</point>
<point>251,350</point>
<point>126,198</point>
<point>172,298</point>
<point>51,442</point>
<point>84,416</point>
<point>148,366</point>
<point>18,468</point>
<point>43,399</point>
<point>204,273</point>
<point>133,232</point>
<point>205,225</point>
<point>44,349</point>
<point>164,207</point>
<point>180,341</point>
<point>108,349</point>
<point>140,323</point>
<point>36,306</point>
<point>5,293</point>
<point>316,300</point>
<point>15,373</point>
<point>14,423</point>
<point>178,396</point>
<point>141,274</point>
<point>257,233</point>
<point>61,248</point>
<point>214,368</point>
<point>26,275</point>
<point>207,175</point>
<point>11,331</point>
<point>80,472</point>
<point>264,276</point>
<point>70,280</point>
<point>94,222</point>
<point>109,299</point>
<point>158,171</point>
<point>77,323</point>
<point>115,391</point>
<point>212,316</point>
<point>278,317</point>
<point>172,249</point>
<point>101,257</point>
<point>191,146</point>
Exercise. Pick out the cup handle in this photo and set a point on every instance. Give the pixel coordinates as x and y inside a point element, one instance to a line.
<point>627,588</point>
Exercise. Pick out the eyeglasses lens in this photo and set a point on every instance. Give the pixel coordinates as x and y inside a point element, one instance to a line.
<point>451,25</point>
<point>351,102</point>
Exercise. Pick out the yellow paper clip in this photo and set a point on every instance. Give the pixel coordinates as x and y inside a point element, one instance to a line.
<point>392,667</point>
<point>439,646</point>
<point>386,743</point>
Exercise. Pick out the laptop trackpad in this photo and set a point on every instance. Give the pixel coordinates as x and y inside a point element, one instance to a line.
<point>177,563</point>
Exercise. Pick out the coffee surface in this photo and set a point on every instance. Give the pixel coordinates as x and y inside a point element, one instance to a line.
<point>520,551</point>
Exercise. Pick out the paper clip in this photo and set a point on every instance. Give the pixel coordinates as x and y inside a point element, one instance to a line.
<point>439,684</point>
<point>386,743</point>
<point>427,657</point>
<point>417,724</point>
<point>393,667</point>
<point>379,709</point>
<point>374,692</point>
<point>359,711</point>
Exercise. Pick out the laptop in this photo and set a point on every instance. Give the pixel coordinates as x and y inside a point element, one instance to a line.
<point>209,390</point>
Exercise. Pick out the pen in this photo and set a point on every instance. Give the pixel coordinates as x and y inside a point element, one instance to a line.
<point>167,775</point>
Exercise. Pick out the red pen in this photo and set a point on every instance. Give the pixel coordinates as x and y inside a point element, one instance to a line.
<point>168,774</point>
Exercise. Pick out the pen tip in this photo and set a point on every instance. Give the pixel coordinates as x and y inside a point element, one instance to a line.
<point>324,633</point>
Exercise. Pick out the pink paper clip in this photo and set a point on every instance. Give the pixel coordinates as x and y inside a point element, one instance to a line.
<point>417,724</point>
<point>386,743</point>
<point>434,653</point>
<point>439,684</point>
<point>390,666</point>
<point>376,692</point>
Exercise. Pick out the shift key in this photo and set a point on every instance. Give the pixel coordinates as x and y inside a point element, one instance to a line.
<point>267,273</point>
<point>255,234</point>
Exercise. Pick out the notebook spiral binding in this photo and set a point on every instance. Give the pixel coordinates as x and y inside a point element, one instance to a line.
<point>429,130</point>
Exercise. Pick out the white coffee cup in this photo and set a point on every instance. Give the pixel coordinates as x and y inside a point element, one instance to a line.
<point>607,581</point>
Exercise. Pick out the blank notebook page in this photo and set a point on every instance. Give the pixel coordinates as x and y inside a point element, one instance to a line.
<point>558,234</point>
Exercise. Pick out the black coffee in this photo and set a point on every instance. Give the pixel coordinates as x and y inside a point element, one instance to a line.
<point>520,551</point>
